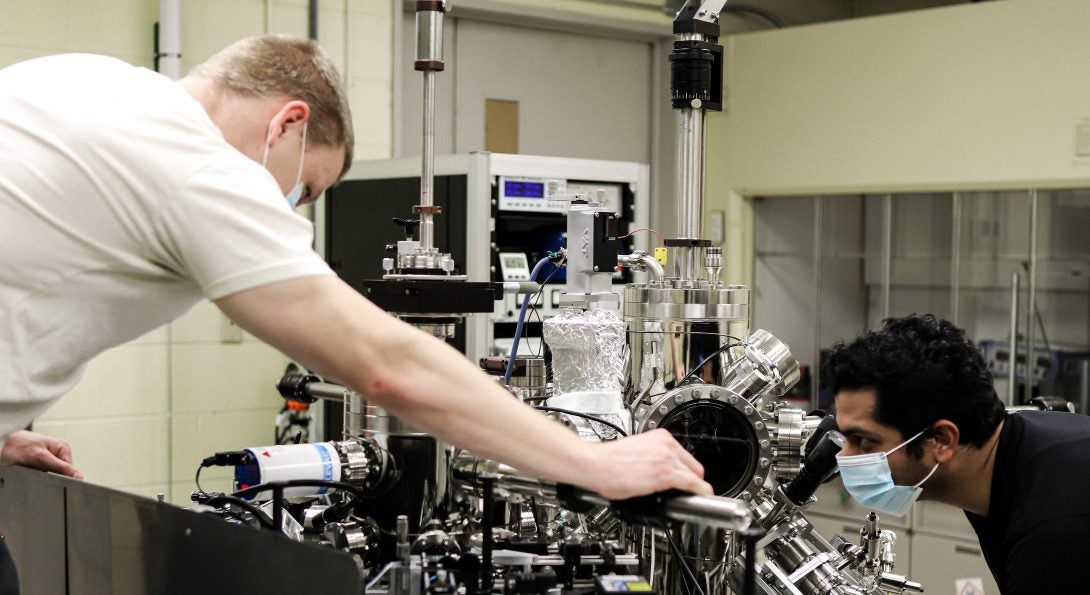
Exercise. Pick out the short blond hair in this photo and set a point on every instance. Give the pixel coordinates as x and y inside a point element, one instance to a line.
<point>292,66</point>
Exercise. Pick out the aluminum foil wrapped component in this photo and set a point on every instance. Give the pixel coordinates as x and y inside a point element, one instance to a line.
<point>588,350</point>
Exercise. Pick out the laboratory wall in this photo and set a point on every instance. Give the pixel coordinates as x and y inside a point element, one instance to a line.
<point>147,412</point>
<point>972,96</point>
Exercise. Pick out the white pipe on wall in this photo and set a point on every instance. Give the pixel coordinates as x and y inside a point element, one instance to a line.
<point>170,38</point>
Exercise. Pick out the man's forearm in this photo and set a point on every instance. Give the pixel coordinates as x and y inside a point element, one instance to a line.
<point>330,328</point>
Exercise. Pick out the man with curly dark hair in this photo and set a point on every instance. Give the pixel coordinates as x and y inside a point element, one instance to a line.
<point>922,419</point>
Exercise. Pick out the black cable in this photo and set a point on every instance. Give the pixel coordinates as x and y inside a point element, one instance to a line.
<point>586,416</point>
<point>257,513</point>
<point>706,360</point>
<point>688,572</point>
<point>331,513</point>
<point>197,479</point>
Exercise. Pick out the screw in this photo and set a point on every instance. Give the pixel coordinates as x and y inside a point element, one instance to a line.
<point>696,393</point>
<point>663,409</point>
<point>678,398</point>
<point>716,393</point>
<point>652,424</point>
<point>732,399</point>
<point>763,463</point>
<point>758,480</point>
<point>595,268</point>
<point>764,443</point>
<point>759,426</point>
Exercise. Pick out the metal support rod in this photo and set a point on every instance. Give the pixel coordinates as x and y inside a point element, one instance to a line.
<point>327,391</point>
<point>1084,387</point>
<point>887,254</point>
<point>955,258</point>
<point>427,164</point>
<point>487,511</point>
<point>278,507</point>
<point>690,186</point>
<point>817,281</point>
<point>429,60</point>
<point>690,162</point>
<point>749,581</point>
<point>708,511</point>
<point>169,57</point>
<point>1012,343</point>
<point>312,19</point>
<point>1031,304</point>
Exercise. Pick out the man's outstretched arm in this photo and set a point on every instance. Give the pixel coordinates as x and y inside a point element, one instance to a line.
<point>330,328</point>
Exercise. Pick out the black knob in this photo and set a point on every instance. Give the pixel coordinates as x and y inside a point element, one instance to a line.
<point>410,226</point>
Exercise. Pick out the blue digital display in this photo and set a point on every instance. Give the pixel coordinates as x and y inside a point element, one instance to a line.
<point>519,189</point>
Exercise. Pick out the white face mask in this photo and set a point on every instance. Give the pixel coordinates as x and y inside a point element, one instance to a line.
<point>869,480</point>
<point>296,192</point>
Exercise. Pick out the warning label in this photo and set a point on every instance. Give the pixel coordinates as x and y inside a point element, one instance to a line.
<point>969,586</point>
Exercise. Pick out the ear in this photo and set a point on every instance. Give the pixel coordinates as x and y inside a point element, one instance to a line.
<point>292,114</point>
<point>945,435</point>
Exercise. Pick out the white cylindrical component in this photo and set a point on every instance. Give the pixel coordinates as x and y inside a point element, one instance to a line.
<point>286,462</point>
<point>170,38</point>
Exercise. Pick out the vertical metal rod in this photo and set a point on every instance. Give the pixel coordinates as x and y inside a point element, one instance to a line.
<point>955,258</point>
<point>1084,387</point>
<point>427,163</point>
<point>817,280</point>
<point>1031,305</point>
<point>690,175</point>
<point>278,508</point>
<point>1012,343</point>
<point>488,500</point>
<point>312,19</point>
<point>404,552</point>
<point>169,56</point>
<point>887,254</point>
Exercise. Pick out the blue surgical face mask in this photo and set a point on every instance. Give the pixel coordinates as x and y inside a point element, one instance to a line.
<point>296,192</point>
<point>869,480</point>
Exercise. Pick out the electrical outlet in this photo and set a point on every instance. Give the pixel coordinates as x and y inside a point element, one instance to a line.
<point>230,332</point>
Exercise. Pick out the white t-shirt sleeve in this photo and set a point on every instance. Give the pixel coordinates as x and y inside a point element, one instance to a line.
<point>228,228</point>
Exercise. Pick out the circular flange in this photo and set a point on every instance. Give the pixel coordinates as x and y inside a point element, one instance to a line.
<point>730,302</point>
<point>725,432</point>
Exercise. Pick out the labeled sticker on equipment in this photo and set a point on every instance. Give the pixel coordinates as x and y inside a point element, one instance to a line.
<point>969,586</point>
<point>660,255</point>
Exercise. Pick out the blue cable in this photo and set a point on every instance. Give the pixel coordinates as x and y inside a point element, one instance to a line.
<point>522,320</point>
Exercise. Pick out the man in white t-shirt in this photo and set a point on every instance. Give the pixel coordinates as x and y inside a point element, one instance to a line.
<point>126,198</point>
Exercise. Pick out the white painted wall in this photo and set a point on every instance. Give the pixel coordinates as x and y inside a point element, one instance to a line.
<point>974,96</point>
<point>148,411</point>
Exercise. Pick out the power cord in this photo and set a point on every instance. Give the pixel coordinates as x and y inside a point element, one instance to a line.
<point>586,416</point>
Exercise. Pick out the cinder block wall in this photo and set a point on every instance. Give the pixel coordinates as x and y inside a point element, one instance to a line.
<point>148,411</point>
